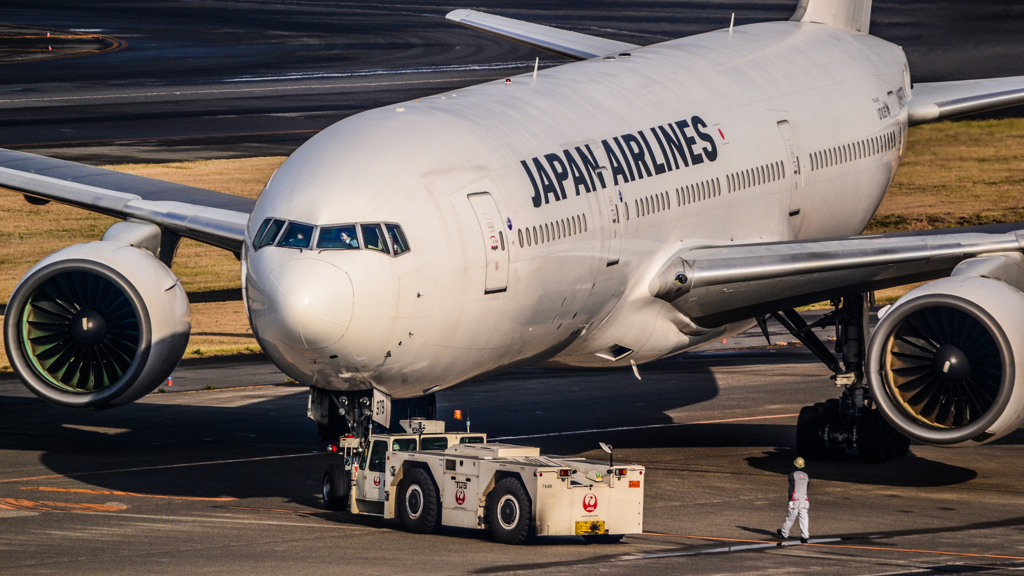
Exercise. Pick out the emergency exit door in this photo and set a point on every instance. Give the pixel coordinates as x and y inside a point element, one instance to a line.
<point>494,241</point>
<point>793,175</point>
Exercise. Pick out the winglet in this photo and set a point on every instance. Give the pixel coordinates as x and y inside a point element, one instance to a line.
<point>562,42</point>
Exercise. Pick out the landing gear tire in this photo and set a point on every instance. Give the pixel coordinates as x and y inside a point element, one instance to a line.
<point>335,488</point>
<point>872,438</point>
<point>509,513</point>
<point>417,504</point>
<point>335,428</point>
<point>603,538</point>
<point>898,444</point>
<point>809,444</point>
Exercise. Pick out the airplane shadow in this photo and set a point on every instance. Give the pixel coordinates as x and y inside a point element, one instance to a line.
<point>265,447</point>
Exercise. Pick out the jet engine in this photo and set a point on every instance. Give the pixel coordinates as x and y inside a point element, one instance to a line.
<point>942,362</point>
<point>96,325</point>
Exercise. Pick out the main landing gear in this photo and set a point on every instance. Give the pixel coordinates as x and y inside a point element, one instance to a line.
<point>849,422</point>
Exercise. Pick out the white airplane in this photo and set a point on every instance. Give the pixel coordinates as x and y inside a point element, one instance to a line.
<point>635,204</point>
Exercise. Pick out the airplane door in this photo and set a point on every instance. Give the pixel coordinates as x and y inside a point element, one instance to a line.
<point>793,174</point>
<point>370,482</point>
<point>613,222</point>
<point>492,230</point>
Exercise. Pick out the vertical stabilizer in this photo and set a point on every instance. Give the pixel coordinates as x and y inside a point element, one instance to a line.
<point>847,14</point>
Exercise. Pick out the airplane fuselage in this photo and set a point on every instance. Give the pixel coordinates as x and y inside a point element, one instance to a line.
<point>537,211</point>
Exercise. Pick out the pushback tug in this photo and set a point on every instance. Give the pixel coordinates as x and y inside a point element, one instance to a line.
<point>428,478</point>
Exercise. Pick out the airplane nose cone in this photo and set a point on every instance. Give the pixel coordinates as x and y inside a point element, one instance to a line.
<point>312,303</point>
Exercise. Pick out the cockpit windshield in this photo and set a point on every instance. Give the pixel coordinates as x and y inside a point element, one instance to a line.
<point>338,238</point>
<point>399,245</point>
<point>296,236</point>
<point>371,236</point>
<point>270,234</point>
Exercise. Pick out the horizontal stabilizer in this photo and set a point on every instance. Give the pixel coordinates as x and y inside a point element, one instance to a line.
<point>562,42</point>
<point>846,14</point>
<point>943,100</point>
<point>211,217</point>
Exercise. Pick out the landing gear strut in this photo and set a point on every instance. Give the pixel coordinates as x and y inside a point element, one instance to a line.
<point>340,414</point>
<point>849,422</point>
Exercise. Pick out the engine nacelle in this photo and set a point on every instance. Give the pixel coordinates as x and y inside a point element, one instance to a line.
<point>96,325</point>
<point>942,363</point>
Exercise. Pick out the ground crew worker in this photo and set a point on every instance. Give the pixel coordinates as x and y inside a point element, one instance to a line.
<point>798,503</point>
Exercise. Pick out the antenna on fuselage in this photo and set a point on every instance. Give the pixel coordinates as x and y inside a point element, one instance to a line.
<point>731,22</point>
<point>536,65</point>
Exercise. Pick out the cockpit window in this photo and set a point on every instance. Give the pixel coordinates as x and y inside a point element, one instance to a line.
<point>373,238</point>
<point>270,235</point>
<point>399,245</point>
<point>338,238</point>
<point>259,233</point>
<point>296,236</point>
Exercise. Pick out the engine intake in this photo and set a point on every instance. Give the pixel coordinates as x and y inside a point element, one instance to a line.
<point>96,325</point>
<point>942,363</point>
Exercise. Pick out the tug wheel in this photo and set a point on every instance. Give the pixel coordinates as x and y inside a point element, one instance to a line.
<point>335,488</point>
<point>417,504</point>
<point>509,513</point>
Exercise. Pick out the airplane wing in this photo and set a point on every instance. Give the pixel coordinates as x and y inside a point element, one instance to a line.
<point>943,100</point>
<point>562,42</point>
<point>210,217</point>
<point>716,285</point>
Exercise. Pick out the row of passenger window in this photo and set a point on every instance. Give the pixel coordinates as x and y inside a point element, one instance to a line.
<point>854,151</point>
<point>335,237</point>
<point>756,176</point>
<point>552,230</point>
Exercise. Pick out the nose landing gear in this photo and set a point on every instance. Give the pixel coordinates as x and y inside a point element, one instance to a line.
<point>340,414</point>
<point>849,422</point>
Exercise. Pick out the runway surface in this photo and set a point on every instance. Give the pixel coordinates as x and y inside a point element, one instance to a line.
<point>227,480</point>
<point>243,78</point>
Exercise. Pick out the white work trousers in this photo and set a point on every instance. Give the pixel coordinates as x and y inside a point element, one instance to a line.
<point>797,508</point>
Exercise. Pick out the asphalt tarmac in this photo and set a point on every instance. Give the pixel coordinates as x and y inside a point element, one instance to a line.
<point>227,480</point>
<point>235,78</point>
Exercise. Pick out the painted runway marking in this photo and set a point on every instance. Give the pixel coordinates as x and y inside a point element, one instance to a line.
<point>19,504</point>
<point>281,510</point>
<point>648,426</point>
<point>163,467</point>
<point>820,543</point>
<point>119,493</point>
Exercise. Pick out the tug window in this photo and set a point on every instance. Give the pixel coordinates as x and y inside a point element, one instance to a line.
<point>471,440</point>
<point>338,238</point>
<point>373,238</point>
<point>434,443</point>
<point>399,245</point>
<point>403,445</point>
<point>378,456</point>
<point>271,234</point>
